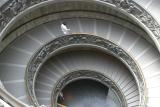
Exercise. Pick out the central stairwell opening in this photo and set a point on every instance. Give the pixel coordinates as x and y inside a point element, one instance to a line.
<point>87,93</point>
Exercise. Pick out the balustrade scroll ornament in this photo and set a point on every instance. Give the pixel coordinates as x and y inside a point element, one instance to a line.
<point>141,14</point>
<point>13,7</point>
<point>82,40</point>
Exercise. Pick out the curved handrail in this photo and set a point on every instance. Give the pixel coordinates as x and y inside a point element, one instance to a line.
<point>9,99</point>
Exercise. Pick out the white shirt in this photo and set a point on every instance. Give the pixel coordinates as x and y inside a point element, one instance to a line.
<point>64,29</point>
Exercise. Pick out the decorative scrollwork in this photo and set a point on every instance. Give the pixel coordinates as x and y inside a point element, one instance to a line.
<point>141,14</point>
<point>13,7</point>
<point>82,40</point>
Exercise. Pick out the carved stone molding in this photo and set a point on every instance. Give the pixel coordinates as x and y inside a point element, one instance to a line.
<point>141,14</point>
<point>86,74</point>
<point>82,40</point>
<point>14,7</point>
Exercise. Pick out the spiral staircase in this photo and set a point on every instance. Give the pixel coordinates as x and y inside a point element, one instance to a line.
<point>112,44</point>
